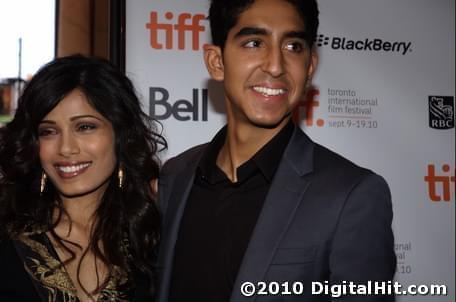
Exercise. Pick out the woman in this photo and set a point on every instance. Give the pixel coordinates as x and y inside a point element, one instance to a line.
<point>78,221</point>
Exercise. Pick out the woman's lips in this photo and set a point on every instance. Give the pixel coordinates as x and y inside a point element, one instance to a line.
<point>71,170</point>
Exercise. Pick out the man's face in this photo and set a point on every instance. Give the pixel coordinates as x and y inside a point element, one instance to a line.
<point>265,64</point>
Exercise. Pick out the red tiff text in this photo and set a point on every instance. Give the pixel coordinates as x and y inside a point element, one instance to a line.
<point>186,23</point>
<point>439,185</point>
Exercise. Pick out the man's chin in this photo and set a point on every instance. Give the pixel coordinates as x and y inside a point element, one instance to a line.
<point>271,124</point>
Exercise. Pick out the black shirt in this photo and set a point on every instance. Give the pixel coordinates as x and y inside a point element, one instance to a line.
<point>219,219</point>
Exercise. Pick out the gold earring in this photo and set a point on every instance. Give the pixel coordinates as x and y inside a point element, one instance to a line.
<point>43,182</point>
<point>121,176</point>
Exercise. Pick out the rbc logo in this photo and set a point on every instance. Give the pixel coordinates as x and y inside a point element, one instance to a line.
<point>441,112</point>
<point>180,28</point>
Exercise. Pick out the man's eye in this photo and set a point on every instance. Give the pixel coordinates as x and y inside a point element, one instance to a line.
<point>294,47</point>
<point>252,44</point>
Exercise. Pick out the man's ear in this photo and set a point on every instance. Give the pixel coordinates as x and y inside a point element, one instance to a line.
<point>312,63</point>
<point>214,61</point>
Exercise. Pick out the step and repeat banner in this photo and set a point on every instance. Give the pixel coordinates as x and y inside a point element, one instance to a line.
<point>383,97</point>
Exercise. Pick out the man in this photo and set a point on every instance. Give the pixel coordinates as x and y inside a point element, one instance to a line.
<point>261,201</point>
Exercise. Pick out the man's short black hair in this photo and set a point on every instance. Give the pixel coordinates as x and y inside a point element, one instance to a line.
<point>223,15</point>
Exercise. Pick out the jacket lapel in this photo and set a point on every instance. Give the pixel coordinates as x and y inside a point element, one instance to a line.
<point>175,209</point>
<point>284,197</point>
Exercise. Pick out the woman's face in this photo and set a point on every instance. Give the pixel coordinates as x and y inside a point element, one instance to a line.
<point>76,145</point>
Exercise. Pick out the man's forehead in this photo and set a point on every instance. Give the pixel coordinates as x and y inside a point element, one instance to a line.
<point>269,11</point>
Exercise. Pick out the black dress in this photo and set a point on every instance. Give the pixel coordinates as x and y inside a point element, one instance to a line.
<point>31,271</point>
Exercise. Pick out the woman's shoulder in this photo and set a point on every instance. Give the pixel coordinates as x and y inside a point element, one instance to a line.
<point>9,259</point>
<point>6,243</point>
<point>6,240</point>
<point>15,283</point>
<point>11,241</point>
<point>8,252</point>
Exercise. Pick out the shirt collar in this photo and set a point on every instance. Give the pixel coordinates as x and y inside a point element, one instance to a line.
<point>269,156</point>
<point>266,159</point>
<point>207,168</point>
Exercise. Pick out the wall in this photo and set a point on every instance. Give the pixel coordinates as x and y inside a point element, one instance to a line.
<point>383,97</point>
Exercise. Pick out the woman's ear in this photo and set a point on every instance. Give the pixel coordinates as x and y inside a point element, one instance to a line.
<point>154,188</point>
<point>214,61</point>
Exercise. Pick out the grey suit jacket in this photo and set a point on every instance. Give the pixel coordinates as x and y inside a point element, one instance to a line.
<point>324,219</point>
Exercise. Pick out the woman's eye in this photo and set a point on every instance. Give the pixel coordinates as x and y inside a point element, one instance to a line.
<point>86,127</point>
<point>252,44</point>
<point>46,131</point>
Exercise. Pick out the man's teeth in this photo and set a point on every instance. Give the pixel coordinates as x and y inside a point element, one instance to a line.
<point>268,91</point>
<point>72,169</point>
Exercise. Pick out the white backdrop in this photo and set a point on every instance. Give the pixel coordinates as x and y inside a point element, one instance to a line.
<point>386,75</point>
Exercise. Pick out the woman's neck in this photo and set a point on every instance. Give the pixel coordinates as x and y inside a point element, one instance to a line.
<point>77,223</point>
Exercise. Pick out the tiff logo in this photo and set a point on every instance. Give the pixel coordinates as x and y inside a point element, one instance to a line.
<point>439,186</point>
<point>170,29</point>
<point>308,104</point>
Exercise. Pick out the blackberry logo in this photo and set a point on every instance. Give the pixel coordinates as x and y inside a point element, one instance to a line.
<point>322,40</point>
<point>441,112</point>
<point>368,44</point>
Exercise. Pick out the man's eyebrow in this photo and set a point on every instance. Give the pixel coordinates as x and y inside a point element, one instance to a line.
<point>258,31</point>
<point>250,31</point>
<point>297,34</point>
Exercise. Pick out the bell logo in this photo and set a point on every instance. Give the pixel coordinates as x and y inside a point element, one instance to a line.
<point>439,186</point>
<point>181,28</point>
<point>161,108</point>
<point>309,103</point>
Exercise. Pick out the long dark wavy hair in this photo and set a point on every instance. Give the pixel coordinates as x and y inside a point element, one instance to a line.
<point>127,213</point>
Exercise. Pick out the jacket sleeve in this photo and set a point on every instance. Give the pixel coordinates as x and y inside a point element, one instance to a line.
<point>363,244</point>
<point>165,181</point>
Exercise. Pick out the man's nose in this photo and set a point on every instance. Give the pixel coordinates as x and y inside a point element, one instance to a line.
<point>274,62</point>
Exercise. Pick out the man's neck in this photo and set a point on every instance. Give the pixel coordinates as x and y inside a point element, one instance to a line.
<point>241,143</point>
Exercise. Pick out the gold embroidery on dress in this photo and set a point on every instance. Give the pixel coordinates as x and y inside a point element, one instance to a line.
<point>53,276</point>
<point>110,291</point>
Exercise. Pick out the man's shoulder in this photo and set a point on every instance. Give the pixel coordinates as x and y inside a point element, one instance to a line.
<point>340,172</point>
<point>191,155</point>
<point>334,176</point>
<point>325,160</point>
